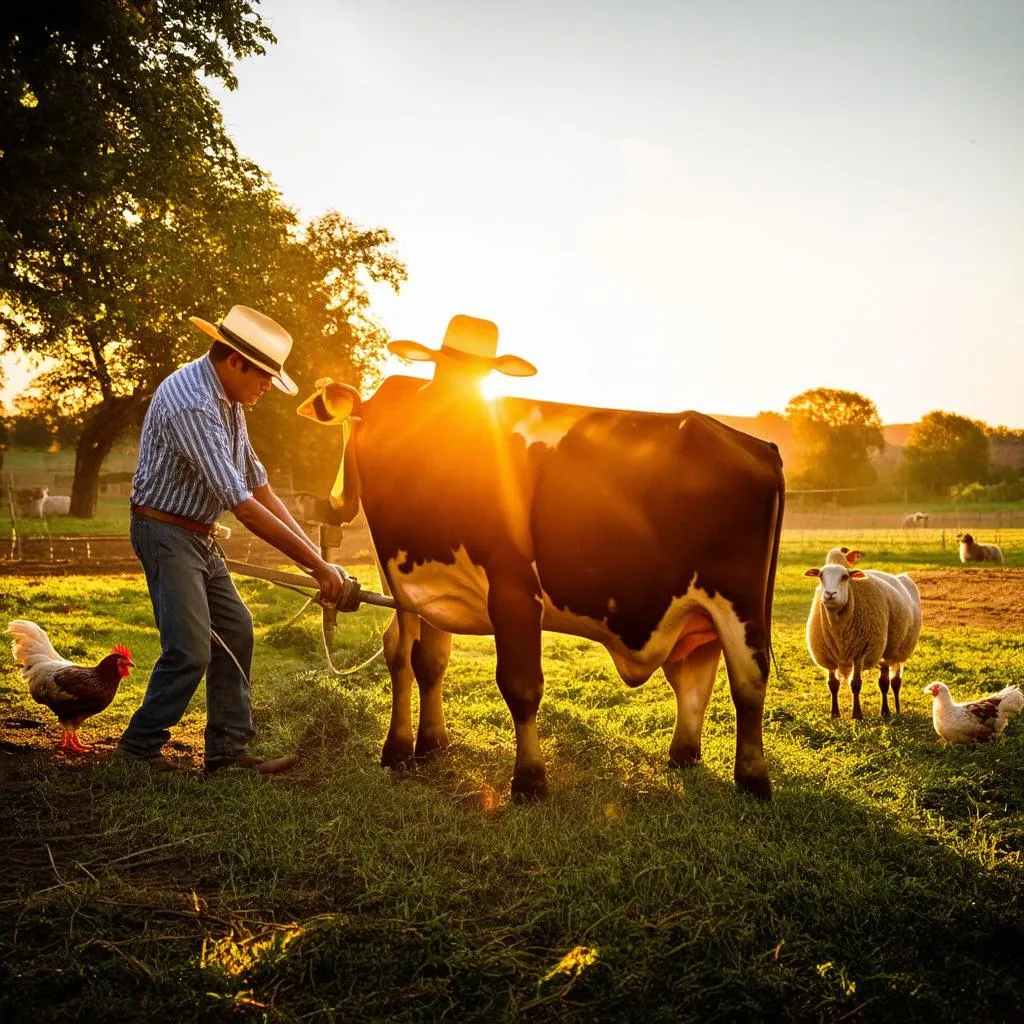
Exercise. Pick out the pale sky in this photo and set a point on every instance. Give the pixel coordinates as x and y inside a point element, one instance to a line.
<point>712,204</point>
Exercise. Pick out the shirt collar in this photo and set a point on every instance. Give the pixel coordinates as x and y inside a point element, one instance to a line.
<point>209,372</point>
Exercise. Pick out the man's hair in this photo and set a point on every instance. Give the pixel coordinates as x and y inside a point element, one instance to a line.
<point>219,351</point>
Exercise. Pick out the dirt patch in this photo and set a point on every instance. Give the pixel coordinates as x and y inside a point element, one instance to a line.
<point>985,598</point>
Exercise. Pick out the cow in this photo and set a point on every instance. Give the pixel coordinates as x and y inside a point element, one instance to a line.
<point>654,534</point>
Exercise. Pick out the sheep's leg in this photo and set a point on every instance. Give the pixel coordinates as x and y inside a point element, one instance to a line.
<point>833,685</point>
<point>897,682</point>
<point>855,685</point>
<point>883,685</point>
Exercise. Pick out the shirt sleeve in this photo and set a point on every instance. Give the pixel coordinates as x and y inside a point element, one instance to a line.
<point>202,439</point>
<point>255,473</point>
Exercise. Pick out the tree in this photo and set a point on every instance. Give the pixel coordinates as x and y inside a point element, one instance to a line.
<point>836,432</point>
<point>124,207</point>
<point>945,449</point>
<point>321,301</point>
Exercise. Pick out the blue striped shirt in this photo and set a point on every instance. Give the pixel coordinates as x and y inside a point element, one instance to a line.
<point>195,459</point>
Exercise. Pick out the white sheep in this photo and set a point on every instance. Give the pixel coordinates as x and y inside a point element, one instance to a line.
<point>862,620</point>
<point>972,551</point>
<point>56,505</point>
<point>915,519</point>
<point>844,556</point>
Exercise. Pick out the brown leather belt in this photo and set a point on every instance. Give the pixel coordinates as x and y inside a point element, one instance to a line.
<point>203,529</point>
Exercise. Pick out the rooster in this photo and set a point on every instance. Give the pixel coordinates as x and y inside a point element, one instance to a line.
<point>975,720</point>
<point>71,692</point>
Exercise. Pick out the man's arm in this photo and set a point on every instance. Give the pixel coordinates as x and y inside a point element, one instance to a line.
<point>295,544</point>
<point>270,501</point>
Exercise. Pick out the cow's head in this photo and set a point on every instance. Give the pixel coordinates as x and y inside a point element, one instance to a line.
<point>337,405</point>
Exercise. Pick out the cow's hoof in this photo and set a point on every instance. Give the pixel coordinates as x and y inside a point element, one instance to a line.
<point>758,786</point>
<point>529,786</point>
<point>755,782</point>
<point>835,712</point>
<point>683,757</point>
<point>885,712</point>
<point>858,714</point>
<point>428,747</point>
<point>397,756</point>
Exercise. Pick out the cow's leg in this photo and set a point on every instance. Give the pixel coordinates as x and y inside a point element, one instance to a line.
<point>402,632</point>
<point>855,685</point>
<point>429,660</point>
<point>883,685</point>
<point>897,683</point>
<point>833,686</point>
<point>692,680</point>
<point>748,681</point>
<point>515,611</point>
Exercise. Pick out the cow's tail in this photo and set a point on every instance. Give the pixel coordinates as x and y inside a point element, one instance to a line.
<point>770,585</point>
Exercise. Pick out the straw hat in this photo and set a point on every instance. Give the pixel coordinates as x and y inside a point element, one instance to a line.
<point>467,338</point>
<point>264,342</point>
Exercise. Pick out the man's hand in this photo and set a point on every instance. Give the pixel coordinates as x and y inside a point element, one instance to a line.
<point>330,581</point>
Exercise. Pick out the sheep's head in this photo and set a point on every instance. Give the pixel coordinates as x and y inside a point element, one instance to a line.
<point>834,581</point>
<point>966,539</point>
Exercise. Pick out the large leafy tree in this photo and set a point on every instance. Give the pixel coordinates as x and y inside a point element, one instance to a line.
<point>124,207</point>
<point>944,449</point>
<point>836,432</point>
<point>319,296</point>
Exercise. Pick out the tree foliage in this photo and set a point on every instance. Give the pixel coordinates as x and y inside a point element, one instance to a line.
<point>943,450</point>
<point>836,432</point>
<point>125,207</point>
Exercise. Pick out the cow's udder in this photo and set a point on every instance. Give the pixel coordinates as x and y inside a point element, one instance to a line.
<point>696,631</point>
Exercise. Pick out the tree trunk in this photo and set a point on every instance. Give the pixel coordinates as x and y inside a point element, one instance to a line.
<point>106,424</point>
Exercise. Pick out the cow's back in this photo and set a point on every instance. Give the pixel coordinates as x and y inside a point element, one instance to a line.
<point>630,509</point>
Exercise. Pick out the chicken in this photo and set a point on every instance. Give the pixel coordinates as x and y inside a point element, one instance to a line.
<point>71,692</point>
<point>975,720</point>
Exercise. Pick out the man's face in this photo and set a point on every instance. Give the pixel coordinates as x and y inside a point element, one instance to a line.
<point>244,381</point>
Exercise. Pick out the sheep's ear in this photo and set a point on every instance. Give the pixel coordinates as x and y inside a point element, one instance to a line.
<point>813,572</point>
<point>854,556</point>
<point>858,574</point>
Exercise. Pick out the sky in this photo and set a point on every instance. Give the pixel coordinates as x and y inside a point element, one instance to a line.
<point>707,204</point>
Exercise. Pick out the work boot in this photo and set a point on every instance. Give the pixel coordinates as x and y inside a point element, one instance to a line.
<point>262,765</point>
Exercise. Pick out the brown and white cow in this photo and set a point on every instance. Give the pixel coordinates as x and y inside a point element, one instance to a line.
<point>654,534</point>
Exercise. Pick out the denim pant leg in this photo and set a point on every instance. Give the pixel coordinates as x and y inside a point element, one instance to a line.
<point>176,565</point>
<point>228,707</point>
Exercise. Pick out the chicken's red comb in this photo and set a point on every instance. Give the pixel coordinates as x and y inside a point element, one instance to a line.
<point>122,650</point>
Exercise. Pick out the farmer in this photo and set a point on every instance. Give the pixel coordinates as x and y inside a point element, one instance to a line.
<point>195,461</point>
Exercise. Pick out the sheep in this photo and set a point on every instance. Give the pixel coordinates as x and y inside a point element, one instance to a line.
<point>875,620</point>
<point>972,551</point>
<point>56,505</point>
<point>915,519</point>
<point>844,556</point>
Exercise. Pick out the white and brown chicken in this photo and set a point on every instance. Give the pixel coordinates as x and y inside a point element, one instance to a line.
<point>974,720</point>
<point>72,692</point>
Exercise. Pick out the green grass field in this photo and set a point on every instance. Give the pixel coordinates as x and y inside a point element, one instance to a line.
<point>883,881</point>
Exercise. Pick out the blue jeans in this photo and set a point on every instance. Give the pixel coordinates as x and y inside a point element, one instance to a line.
<point>191,591</point>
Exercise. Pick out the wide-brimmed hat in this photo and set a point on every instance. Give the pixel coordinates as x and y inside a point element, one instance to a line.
<point>264,342</point>
<point>469,337</point>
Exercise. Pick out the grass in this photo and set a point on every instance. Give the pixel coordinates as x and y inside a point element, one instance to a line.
<point>883,881</point>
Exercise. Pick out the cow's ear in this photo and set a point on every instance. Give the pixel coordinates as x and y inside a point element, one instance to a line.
<point>854,556</point>
<point>332,403</point>
<point>858,574</point>
<point>813,572</point>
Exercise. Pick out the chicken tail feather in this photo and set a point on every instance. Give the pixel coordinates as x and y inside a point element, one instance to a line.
<point>31,645</point>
